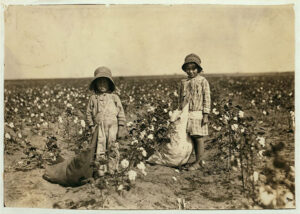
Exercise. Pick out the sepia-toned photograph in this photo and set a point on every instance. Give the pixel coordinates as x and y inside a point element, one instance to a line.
<point>149,107</point>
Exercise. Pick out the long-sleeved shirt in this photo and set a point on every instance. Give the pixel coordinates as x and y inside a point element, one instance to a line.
<point>101,104</point>
<point>196,92</point>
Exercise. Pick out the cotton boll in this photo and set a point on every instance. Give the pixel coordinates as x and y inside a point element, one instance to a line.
<point>261,141</point>
<point>234,169</point>
<point>261,153</point>
<point>129,124</point>
<point>151,128</point>
<point>7,136</point>
<point>120,187</point>
<point>214,111</point>
<point>265,197</point>
<point>19,135</point>
<point>134,142</point>
<point>132,175</point>
<point>289,200</point>
<point>144,153</point>
<point>124,163</point>
<point>82,123</point>
<point>255,176</point>
<point>150,136</point>
<point>234,127</point>
<point>141,166</point>
<point>11,125</point>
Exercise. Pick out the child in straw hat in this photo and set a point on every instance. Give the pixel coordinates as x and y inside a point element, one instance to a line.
<point>195,92</point>
<point>105,114</point>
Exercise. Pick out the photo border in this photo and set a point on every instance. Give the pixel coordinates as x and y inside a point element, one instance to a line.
<point>5,3</point>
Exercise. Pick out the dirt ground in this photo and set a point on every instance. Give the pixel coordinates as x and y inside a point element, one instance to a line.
<point>162,188</point>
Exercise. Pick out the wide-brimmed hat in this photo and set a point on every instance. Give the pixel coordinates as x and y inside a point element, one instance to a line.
<point>100,73</point>
<point>192,58</point>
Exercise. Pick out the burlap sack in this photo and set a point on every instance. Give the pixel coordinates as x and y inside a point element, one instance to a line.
<point>178,151</point>
<point>72,171</point>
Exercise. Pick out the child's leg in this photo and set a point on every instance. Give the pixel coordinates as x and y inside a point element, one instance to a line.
<point>100,152</point>
<point>112,131</point>
<point>199,148</point>
<point>198,142</point>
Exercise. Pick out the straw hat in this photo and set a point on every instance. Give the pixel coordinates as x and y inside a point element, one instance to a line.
<point>100,73</point>
<point>192,58</point>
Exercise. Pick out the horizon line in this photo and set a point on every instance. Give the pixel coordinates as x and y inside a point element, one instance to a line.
<point>175,74</point>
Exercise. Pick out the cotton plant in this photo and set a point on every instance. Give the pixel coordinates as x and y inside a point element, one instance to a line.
<point>74,127</point>
<point>274,183</point>
<point>153,129</point>
<point>238,140</point>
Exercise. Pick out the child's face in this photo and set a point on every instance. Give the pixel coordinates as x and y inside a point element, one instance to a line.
<point>191,70</point>
<point>102,85</point>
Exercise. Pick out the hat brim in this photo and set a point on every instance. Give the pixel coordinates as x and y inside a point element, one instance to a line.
<point>93,82</point>
<point>182,67</point>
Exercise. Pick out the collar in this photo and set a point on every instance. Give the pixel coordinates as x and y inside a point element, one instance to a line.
<point>101,96</point>
<point>191,78</point>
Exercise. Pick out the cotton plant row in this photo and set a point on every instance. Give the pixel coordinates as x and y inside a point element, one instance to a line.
<point>62,104</point>
<point>37,112</point>
<point>36,101</point>
<point>274,185</point>
<point>244,147</point>
<point>75,128</point>
<point>273,94</point>
<point>34,157</point>
<point>122,181</point>
<point>146,134</point>
<point>43,104</point>
<point>122,176</point>
<point>131,163</point>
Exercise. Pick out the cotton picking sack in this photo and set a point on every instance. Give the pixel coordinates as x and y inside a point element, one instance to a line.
<point>73,171</point>
<point>178,151</point>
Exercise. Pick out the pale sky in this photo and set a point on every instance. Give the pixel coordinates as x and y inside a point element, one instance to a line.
<point>62,41</point>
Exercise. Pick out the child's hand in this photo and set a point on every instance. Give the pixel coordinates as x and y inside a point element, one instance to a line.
<point>91,129</point>
<point>175,115</point>
<point>122,132</point>
<point>205,119</point>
